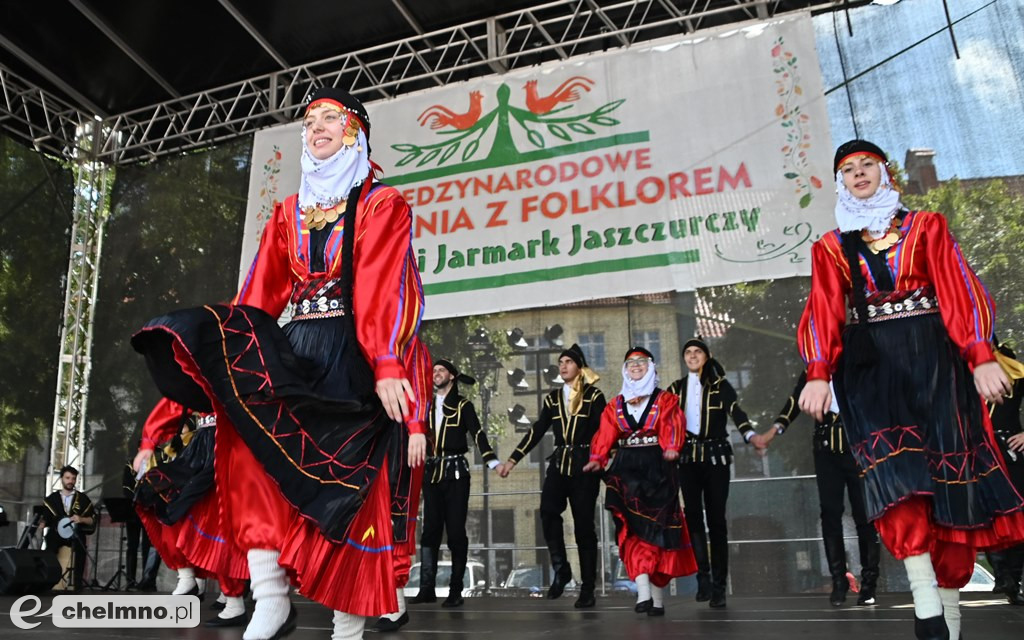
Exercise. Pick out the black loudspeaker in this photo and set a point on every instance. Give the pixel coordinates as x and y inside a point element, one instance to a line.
<point>27,570</point>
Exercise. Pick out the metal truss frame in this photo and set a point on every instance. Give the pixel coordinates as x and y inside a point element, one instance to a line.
<point>37,117</point>
<point>556,30</point>
<point>93,181</point>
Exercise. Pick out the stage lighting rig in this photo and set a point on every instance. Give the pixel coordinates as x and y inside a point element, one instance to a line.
<point>517,379</point>
<point>515,339</point>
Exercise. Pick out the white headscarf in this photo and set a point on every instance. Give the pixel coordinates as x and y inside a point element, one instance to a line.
<point>875,213</point>
<point>328,182</point>
<point>632,389</point>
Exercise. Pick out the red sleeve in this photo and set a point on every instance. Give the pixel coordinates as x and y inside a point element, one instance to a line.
<point>966,307</point>
<point>606,434</point>
<point>268,284</point>
<point>819,334</point>
<point>671,423</point>
<point>163,422</point>
<point>387,295</point>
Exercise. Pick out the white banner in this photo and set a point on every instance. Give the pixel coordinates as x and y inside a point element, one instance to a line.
<point>683,164</point>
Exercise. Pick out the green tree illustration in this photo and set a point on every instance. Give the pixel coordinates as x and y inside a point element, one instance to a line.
<point>563,127</point>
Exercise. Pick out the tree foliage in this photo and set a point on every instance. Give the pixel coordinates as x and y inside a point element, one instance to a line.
<point>35,214</point>
<point>988,222</point>
<point>172,241</point>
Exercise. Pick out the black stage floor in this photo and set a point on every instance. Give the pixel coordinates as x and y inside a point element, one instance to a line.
<point>778,617</point>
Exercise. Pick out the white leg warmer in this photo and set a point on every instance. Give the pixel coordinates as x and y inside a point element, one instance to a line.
<point>233,607</point>
<point>658,594</point>
<point>951,611</point>
<point>643,587</point>
<point>347,626</point>
<point>270,590</point>
<point>186,581</point>
<point>925,589</point>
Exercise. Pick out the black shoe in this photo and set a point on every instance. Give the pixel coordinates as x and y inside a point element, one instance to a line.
<point>423,597</point>
<point>146,585</point>
<point>386,624</point>
<point>933,628</point>
<point>218,606</point>
<point>585,601</point>
<point>237,621</point>
<point>703,587</point>
<point>654,612</point>
<point>839,588</point>
<point>556,589</point>
<point>717,600</point>
<point>454,599</point>
<point>1015,598</point>
<point>645,606</point>
<point>866,597</point>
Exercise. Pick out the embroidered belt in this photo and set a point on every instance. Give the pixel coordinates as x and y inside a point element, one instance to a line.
<point>892,305</point>
<point>324,302</point>
<point>710,450</point>
<point>203,422</point>
<point>638,441</point>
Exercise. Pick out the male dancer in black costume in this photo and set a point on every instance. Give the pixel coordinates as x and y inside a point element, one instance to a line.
<point>453,421</point>
<point>573,412</point>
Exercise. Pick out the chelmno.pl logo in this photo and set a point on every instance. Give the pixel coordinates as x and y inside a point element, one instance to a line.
<point>111,611</point>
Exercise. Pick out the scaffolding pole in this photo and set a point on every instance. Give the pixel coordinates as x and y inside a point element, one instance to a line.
<point>93,179</point>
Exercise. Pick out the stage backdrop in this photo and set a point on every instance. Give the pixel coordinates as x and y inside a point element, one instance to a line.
<point>689,163</point>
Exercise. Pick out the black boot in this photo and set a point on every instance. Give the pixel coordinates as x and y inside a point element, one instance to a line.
<point>1014,567</point>
<point>997,559</point>
<point>588,578</point>
<point>835,555</point>
<point>931,628</point>
<point>719,574</point>
<point>699,541</point>
<point>428,577</point>
<point>455,585</point>
<point>870,554</point>
<point>563,573</point>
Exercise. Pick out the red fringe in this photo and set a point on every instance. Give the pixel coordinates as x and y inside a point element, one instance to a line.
<point>661,565</point>
<point>203,542</point>
<point>164,539</point>
<point>345,577</point>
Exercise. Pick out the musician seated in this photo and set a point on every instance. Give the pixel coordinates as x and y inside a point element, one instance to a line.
<point>70,516</point>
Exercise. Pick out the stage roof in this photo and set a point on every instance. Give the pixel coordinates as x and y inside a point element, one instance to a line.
<point>166,76</point>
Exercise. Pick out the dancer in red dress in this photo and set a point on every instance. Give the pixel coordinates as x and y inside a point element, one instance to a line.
<point>321,438</point>
<point>180,509</point>
<point>909,373</point>
<point>642,487</point>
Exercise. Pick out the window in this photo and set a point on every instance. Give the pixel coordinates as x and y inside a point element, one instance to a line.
<point>650,340</point>
<point>592,345</point>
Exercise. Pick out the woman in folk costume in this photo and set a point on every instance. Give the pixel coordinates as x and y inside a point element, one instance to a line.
<point>321,438</point>
<point>909,375</point>
<point>180,510</point>
<point>642,487</point>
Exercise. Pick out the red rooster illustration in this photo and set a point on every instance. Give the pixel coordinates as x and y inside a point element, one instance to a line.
<point>440,117</point>
<point>568,91</point>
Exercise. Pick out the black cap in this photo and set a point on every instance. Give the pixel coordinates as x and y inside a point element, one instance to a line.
<point>699,343</point>
<point>575,354</point>
<point>344,99</point>
<point>855,147</point>
<point>459,377</point>
<point>640,350</point>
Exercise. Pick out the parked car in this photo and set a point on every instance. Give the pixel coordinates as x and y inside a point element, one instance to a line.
<point>622,583</point>
<point>472,581</point>
<point>981,580</point>
<point>528,580</point>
